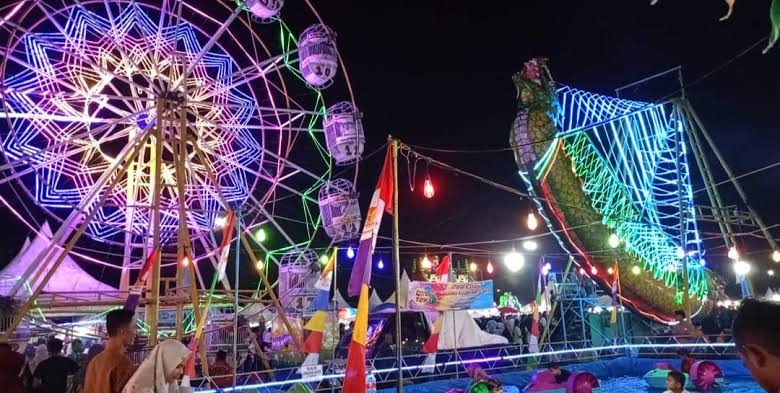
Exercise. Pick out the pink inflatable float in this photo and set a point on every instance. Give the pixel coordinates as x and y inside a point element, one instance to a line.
<point>578,382</point>
<point>704,376</point>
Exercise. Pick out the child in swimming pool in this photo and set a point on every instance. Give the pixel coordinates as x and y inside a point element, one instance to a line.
<point>675,382</point>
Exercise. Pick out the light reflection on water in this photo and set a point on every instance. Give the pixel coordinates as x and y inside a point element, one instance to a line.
<point>638,385</point>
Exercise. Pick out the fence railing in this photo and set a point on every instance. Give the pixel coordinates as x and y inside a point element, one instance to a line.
<point>452,364</point>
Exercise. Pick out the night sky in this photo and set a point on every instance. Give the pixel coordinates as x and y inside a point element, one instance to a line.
<point>438,74</point>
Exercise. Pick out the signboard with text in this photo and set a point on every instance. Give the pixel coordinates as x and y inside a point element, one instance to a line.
<point>446,296</point>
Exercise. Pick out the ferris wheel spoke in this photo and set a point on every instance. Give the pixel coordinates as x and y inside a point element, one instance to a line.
<point>207,47</point>
<point>265,151</point>
<point>25,158</point>
<point>59,81</point>
<point>260,71</point>
<point>78,52</point>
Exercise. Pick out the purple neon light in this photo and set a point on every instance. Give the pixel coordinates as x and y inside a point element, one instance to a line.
<point>60,91</point>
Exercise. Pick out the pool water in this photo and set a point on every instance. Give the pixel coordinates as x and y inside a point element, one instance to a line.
<point>638,385</point>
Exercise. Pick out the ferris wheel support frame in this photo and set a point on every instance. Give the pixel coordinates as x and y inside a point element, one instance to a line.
<point>130,151</point>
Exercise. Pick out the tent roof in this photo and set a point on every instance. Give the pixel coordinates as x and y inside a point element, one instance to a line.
<point>458,327</point>
<point>69,276</point>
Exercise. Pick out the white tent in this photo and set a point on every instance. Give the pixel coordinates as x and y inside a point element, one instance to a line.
<point>459,328</point>
<point>69,276</point>
<point>374,300</point>
<point>339,300</point>
<point>404,291</point>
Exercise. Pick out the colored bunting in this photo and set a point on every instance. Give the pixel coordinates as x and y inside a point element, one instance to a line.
<point>355,378</point>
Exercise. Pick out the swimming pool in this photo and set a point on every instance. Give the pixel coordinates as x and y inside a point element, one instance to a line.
<point>637,385</point>
<point>621,375</point>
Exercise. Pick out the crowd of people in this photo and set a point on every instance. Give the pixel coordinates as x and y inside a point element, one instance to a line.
<point>516,329</point>
<point>43,368</point>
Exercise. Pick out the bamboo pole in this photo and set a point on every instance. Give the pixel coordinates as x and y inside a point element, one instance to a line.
<point>132,150</point>
<point>397,267</point>
<point>179,160</point>
<point>274,299</point>
<point>153,304</point>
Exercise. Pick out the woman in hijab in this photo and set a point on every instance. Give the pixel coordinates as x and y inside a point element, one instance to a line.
<point>161,369</point>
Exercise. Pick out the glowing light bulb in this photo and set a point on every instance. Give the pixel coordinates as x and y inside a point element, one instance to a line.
<point>582,271</point>
<point>597,309</point>
<point>733,253</point>
<point>428,189</point>
<point>185,261</point>
<point>741,268</point>
<point>473,267</point>
<point>490,267</point>
<point>680,253</point>
<point>260,235</point>
<point>702,262</point>
<point>548,266</point>
<point>514,261</point>
<point>776,256</point>
<point>220,221</point>
<point>259,265</point>
<point>593,270</point>
<point>350,252</point>
<point>324,259</point>
<point>610,270</point>
<point>426,263</point>
<point>770,272</point>
<point>532,222</point>
<point>636,270</point>
<point>381,264</point>
<point>530,245</point>
<point>614,241</point>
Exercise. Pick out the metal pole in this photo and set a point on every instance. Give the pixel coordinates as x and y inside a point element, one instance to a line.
<point>733,179</point>
<point>235,298</point>
<point>678,141</point>
<point>153,306</point>
<point>397,267</point>
<point>336,337</point>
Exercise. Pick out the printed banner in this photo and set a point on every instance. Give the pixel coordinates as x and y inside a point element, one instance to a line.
<point>447,296</point>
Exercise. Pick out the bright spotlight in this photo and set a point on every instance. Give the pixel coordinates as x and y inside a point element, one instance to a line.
<point>514,261</point>
<point>741,268</point>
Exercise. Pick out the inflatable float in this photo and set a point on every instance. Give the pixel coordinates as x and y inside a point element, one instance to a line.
<point>578,382</point>
<point>704,376</point>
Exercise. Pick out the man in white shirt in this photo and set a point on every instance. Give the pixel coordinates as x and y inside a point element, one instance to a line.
<point>675,382</point>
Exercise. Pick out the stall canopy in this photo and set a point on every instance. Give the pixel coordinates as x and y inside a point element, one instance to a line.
<point>459,328</point>
<point>69,276</point>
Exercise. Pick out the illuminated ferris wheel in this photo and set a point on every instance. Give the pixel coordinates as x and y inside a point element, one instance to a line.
<point>146,121</point>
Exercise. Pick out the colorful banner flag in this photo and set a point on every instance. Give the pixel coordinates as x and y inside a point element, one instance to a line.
<point>224,248</point>
<point>443,270</point>
<point>381,202</point>
<point>615,290</point>
<point>134,297</point>
<point>447,296</point>
<point>316,325</point>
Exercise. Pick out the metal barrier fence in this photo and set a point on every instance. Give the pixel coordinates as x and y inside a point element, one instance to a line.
<point>452,364</point>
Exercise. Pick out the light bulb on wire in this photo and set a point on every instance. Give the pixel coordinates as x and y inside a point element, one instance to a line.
<point>260,235</point>
<point>530,245</point>
<point>428,189</point>
<point>350,252</point>
<point>770,272</point>
<point>381,264</point>
<point>733,253</point>
<point>614,241</point>
<point>323,259</point>
<point>610,270</point>
<point>185,261</point>
<point>514,261</point>
<point>259,265</point>
<point>532,222</point>
<point>776,256</point>
<point>741,268</point>
<point>473,267</point>
<point>636,270</point>
<point>593,270</point>
<point>426,263</point>
<point>489,267</point>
